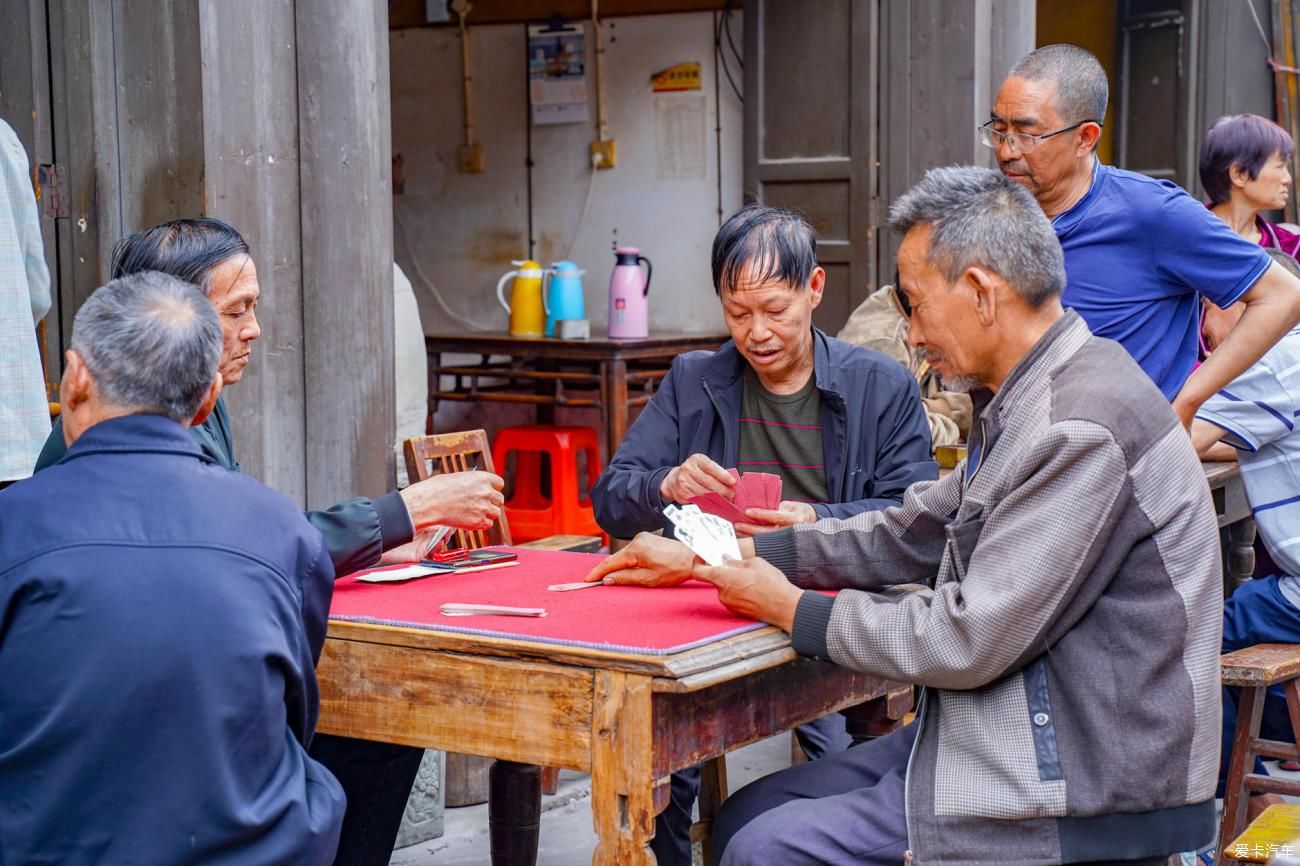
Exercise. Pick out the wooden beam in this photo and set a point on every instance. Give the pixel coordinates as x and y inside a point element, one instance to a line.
<point>410,13</point>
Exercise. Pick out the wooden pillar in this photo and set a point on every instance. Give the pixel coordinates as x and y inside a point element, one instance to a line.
<point>347,246</point>
<point>274,116</point>
<point>250,136</point>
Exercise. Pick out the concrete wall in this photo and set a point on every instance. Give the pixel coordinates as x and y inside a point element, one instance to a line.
<point>460,231</point>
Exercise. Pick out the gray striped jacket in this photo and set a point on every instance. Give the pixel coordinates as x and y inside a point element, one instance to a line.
<point>1068,631</point>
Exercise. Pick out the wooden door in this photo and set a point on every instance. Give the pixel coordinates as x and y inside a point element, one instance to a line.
<point>810,134</point>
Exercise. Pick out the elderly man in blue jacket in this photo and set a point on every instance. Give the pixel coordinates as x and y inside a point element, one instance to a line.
<point>162,619</point>
<point>842,426</point>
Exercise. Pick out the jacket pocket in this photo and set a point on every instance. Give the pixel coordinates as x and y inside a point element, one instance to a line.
<point>986,764</point>
<point>963,534</point>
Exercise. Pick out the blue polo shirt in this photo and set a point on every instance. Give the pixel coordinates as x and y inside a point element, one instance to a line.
<point>1138,253</point>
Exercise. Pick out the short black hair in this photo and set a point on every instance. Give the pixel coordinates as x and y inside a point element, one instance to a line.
<point>778,244</point>
<point>1244,140</point>
<point>187,249</point>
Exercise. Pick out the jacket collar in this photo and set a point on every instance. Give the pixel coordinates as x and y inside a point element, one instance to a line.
<point>1058,343</point>
<point>138,434</point>
<point>728,365</point>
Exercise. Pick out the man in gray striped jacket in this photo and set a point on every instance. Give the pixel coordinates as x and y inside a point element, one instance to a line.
<point>1068,621</point>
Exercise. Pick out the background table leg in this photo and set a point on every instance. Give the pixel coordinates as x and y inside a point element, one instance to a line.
<point>514,812</point>
<point>622,783</point>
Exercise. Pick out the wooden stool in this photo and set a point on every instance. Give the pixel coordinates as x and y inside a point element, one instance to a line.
<point>1273,833</point>
<point>1253,670</point>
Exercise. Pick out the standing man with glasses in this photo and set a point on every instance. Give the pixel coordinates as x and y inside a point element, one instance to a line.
<point>1139,252</point>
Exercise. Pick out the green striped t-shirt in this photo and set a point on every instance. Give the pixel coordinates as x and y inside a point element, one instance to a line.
<point>782,434</point>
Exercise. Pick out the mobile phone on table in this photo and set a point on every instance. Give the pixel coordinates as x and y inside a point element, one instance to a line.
<point>478,558</point>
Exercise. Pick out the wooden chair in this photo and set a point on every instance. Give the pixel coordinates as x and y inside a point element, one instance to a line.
<point>1272,835</point>
<point>465,451</point>
<point>1253,670</point>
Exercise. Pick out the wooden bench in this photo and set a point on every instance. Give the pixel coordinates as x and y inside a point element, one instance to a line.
<point>1253,670</point>
<point>1272,834</point>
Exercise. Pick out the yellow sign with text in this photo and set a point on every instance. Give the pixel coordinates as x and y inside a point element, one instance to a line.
<point>683,76</point>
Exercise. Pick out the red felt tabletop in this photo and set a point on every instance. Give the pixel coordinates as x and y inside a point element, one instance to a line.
<point>620,618</point>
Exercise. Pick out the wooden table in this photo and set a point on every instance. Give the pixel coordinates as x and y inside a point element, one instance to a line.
<point>614,376</point>
<point>627,719</point>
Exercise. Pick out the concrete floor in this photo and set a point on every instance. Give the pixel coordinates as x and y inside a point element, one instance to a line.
<point>567,836</point>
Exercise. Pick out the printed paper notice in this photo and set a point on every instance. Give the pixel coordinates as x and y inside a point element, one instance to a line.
<point>680,137</point>
<point>557,74</point>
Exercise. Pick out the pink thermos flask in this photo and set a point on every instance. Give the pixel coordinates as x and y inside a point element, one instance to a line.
<point>629,310</point>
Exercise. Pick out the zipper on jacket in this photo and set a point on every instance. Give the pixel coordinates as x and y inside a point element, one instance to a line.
<point>921,706</point>
<point>726,445</point>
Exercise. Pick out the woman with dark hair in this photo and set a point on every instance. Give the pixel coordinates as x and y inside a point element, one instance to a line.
<point>1244,169</point>
<point>211,254</point>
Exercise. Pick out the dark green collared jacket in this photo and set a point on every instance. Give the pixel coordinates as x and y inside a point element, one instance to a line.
<point>356,530</point>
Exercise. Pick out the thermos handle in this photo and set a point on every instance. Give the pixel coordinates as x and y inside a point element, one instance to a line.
<point>649,270</point>
<point>546,279</point>
<point>501,285</point>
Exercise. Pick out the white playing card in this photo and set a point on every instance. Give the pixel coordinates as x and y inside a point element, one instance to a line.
<point>710,537</point>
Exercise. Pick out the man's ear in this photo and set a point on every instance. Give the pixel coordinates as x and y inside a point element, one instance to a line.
<point>76,386</point>
<point>984,285</point>
<point>1089,135</point>
<point>209,401</point>
<point>817,285</point>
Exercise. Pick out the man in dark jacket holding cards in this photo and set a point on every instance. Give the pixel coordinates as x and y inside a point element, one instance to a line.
<point>842,426</point>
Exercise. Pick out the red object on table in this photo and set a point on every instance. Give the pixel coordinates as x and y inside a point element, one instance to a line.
<point>620,618</point>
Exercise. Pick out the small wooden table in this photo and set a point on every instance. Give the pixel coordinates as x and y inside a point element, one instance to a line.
<point>629,720</point>
<point>614,376</point>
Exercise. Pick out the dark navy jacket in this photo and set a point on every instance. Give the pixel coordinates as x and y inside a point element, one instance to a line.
<point>356,530</point>
<point>160,620</point>
<point>874,433</point>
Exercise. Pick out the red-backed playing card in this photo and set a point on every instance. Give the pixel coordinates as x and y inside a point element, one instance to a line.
<point>716,503</point>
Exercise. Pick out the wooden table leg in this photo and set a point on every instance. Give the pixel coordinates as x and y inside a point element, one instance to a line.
<point>1241,553</point>
<point>614,391</point>
<point>514,812</point>
<point>622,777</point>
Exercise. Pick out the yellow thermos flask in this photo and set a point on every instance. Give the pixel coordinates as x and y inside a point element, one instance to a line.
<point>527,306</point>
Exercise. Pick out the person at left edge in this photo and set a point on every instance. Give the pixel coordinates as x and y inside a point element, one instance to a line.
<point>843,426</point>
<point>209,253</point>
<point>162,620</point>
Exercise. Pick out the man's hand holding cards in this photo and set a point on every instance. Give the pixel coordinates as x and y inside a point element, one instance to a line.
<point>710,537</point>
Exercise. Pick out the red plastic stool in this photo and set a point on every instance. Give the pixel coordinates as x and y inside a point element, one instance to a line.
<point>566,510</point>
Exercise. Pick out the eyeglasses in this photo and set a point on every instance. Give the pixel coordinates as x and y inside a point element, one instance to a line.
<point>1020,142</point>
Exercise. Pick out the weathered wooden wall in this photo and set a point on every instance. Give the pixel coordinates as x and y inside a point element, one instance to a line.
<point>274,116</point>
<point>942,65</point>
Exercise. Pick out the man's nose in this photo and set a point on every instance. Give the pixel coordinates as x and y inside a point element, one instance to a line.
<point>915,338</point>
<point>759,330</point>
<point>252,330</point>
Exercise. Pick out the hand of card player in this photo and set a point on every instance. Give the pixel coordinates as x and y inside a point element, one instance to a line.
<point>755,503</point>
<point>787,514</point>
<point>711,537</point>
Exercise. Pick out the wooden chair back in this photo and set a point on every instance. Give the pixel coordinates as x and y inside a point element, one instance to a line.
<point>463,451</point>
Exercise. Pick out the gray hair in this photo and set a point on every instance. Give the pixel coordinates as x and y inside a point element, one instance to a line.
<point>980,218</point>
<point>1081,87</point>
<point>151,343</point>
